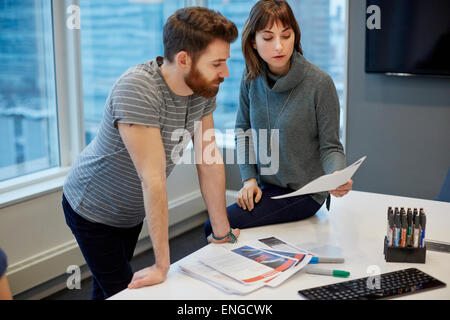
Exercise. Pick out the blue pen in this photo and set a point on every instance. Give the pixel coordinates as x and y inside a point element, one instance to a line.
<point>316,260</point>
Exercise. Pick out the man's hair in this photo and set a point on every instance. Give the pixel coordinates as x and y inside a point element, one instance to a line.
<point>192,29</point>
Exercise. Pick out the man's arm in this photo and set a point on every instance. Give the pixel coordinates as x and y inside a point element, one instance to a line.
<point>144,144</point>
<point>211,174</point>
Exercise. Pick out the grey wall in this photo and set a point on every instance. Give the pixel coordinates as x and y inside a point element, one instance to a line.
<point>401,123</point>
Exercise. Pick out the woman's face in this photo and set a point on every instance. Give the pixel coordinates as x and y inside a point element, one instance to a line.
<point>275,47</point>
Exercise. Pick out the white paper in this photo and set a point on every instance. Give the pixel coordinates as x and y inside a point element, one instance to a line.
<point>326,182</point>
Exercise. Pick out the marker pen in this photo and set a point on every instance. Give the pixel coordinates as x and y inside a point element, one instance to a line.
<point>404,230</point>
<point>416,233</point>
<point>415,214</point>
<point>397,229</point>
<point>410,228</point>
<point>390,234</point>
<point>387,224</point>
<point>315,260</point>
<point>326,272</point>
<point>423,222</point>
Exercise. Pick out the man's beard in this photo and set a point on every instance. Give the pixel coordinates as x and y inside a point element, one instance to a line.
<point>199,85</point>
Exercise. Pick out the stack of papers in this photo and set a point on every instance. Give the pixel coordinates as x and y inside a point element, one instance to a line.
<point>241,269</point>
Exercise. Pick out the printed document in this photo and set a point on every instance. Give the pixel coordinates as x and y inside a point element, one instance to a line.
<point>243,268</point>
<point>327,182</point>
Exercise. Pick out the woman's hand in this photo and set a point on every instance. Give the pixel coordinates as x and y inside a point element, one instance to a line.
<point>244,199</point>
<point>342,190</point>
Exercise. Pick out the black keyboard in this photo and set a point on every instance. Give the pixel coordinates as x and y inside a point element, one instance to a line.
<point>389,285</point>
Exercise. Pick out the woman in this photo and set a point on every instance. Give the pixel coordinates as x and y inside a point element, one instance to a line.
<point>296,105</point>
<point>5,291</point>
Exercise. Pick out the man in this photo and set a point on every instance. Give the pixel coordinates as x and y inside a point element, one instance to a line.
<point>120,178</point>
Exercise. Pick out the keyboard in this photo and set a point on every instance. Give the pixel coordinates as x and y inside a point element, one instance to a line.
<point>390,285</point>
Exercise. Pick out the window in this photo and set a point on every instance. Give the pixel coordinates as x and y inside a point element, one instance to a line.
<point>322,24</point>
<point>116,35</point>
<point>119,34</point>
<point>28,120</point>
<point>228,96</point>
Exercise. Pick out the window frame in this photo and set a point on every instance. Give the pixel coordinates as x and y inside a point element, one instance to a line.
<point>69,99</point>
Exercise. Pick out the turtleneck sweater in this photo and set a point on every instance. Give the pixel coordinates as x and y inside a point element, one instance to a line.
<point>303,106</point>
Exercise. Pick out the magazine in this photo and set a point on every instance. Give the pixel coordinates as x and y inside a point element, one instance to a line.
<point>243,268</point>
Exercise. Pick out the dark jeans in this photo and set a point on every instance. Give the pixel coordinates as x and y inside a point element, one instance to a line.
<point>107,251</point>
<point>270,211</point>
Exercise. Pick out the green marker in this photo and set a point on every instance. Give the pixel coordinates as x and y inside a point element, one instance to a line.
<point>327,272</point>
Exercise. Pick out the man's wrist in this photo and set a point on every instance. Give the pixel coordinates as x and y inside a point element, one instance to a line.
<point>163,266</point>
<point>221,230</point>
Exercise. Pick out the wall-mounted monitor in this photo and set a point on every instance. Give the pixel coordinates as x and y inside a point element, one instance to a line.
<point>408,37</point>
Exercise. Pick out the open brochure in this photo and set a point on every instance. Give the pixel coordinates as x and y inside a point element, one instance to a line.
<point>241,269</point>
<point>327,182</point>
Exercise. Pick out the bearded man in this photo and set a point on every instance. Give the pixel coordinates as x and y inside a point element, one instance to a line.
<point>120,177</point>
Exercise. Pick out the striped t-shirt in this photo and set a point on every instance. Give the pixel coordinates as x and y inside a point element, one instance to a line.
<point>103,185</point>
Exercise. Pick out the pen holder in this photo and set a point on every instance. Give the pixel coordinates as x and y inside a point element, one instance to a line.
<point>406,254</point>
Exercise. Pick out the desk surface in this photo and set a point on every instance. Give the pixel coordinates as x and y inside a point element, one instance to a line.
<point>354,229</point>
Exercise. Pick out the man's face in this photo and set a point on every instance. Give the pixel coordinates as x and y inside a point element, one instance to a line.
<point>209,70</point>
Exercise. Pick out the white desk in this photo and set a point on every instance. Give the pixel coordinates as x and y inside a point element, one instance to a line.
<point>354,229</point>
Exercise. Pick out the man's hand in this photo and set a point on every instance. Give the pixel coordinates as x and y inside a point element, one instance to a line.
<point>236,233</point>
<point>148,277</point>
<point>244,199</point>
<point>342,190</point>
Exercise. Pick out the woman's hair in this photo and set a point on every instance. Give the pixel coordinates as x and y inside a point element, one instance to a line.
<point>192,29</point>
<point>263,15</point>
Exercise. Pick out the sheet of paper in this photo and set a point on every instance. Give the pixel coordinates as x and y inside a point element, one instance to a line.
<point>326,182</point>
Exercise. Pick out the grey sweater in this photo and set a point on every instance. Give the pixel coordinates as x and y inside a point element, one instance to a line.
<point>309,144</point>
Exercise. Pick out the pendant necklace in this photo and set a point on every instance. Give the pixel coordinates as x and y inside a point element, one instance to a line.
<point>278,117</point>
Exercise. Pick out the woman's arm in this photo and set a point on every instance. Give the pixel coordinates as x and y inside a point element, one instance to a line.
<point>327,113</point>
<point>328,122</point>
<point>246,156</point>
<point>5,291</point>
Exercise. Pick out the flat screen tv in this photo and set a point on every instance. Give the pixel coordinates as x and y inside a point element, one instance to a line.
<point>408,37</point>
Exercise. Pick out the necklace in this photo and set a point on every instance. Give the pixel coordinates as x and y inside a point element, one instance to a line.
<point>279,114</point>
